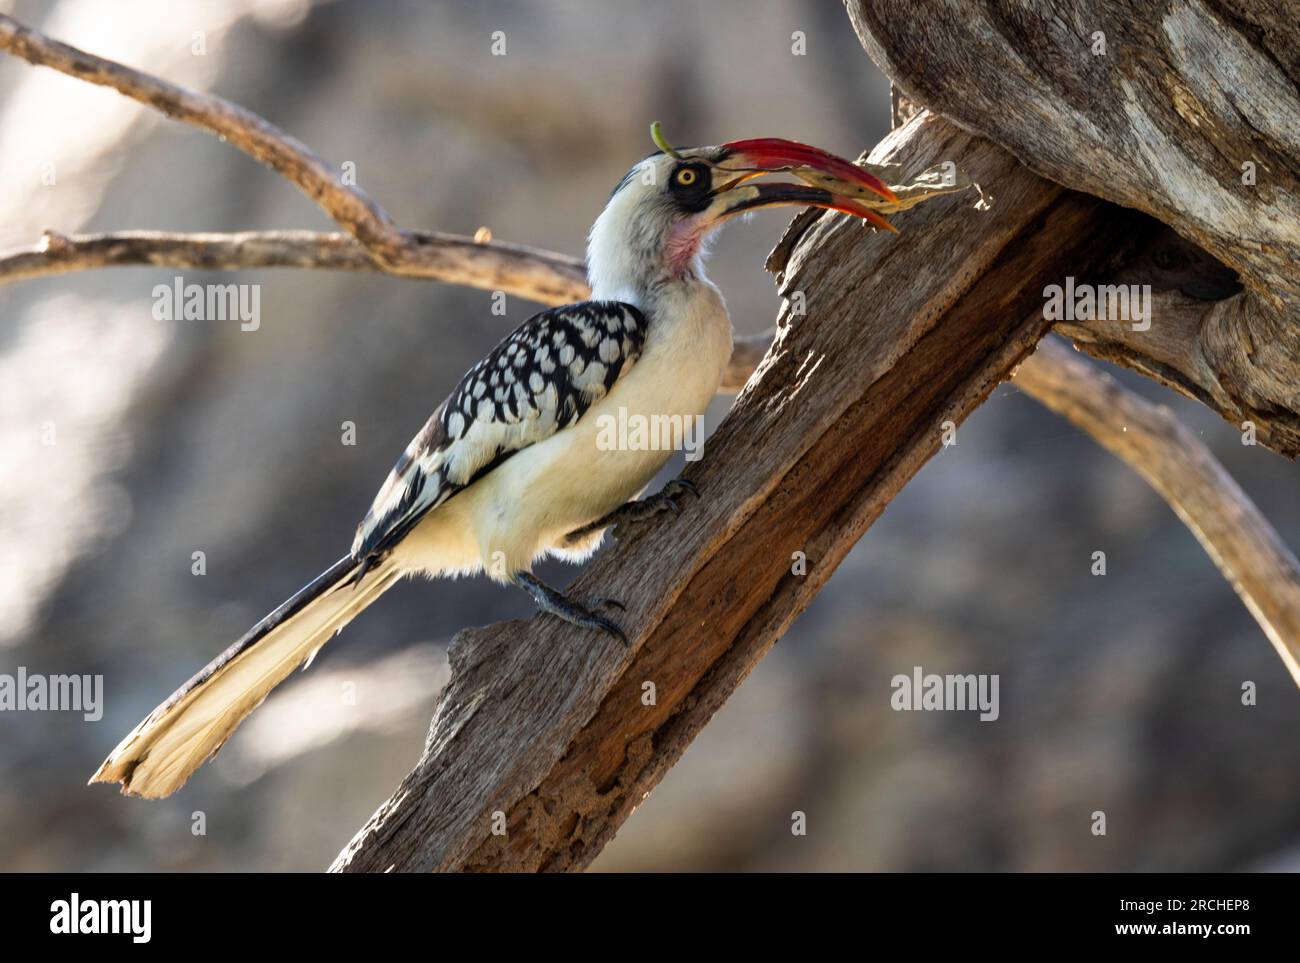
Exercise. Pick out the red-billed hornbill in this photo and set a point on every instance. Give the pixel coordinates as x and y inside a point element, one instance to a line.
<point>508,469</point>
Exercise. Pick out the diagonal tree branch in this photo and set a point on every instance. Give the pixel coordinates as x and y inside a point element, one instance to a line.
<point>1242,543</point>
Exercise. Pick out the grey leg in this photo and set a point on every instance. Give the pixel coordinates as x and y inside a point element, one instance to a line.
<point>558,604</point>
<point>633,515</point>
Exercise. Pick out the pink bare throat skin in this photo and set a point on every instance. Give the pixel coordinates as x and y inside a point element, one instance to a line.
<point>683,244</point>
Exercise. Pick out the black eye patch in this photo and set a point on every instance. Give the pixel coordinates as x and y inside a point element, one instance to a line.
<point>690,185</point>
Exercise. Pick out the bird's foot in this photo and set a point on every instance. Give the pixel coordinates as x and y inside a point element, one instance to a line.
<point>561,606</point>
<point>633,516</point>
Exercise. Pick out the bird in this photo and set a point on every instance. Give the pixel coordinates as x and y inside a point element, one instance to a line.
<point>510,468</point>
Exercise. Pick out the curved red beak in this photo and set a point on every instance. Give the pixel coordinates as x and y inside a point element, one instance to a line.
<point>833,181</point>
<point>768,154</point>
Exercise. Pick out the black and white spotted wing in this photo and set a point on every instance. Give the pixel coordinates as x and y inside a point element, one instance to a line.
<point>540,379</point>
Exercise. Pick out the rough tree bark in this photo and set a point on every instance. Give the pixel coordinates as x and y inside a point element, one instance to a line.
<point>1156,106</point>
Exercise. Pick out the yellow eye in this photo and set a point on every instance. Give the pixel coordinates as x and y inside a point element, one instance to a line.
<point>686,177</point>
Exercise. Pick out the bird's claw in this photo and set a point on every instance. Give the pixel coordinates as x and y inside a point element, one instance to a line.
<point>681,486</point>
<point>556,603</point>
<point>610,627</point>
<point>666,499</point>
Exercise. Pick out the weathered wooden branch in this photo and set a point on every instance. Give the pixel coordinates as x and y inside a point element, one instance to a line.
<point>1196,347</point>
<point>525,272</point>
<point>1188,111</point>
<point>426,255</point>
<point>1244,546</point>
<point>488,265</point>
<point>347,206</point>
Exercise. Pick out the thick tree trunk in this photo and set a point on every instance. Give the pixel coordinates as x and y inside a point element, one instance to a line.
<point>1189,111</point>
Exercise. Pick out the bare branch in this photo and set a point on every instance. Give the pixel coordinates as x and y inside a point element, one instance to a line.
<point>1245,547</point>
<point>517,270</point>
<point>349,207</point>
<point>489,265</point>
<point>1233,355</point>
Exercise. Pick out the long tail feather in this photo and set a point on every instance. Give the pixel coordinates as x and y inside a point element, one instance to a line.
<point>160,754</point>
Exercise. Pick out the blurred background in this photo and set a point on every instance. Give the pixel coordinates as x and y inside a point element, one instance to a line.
<point>1119,693</point>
